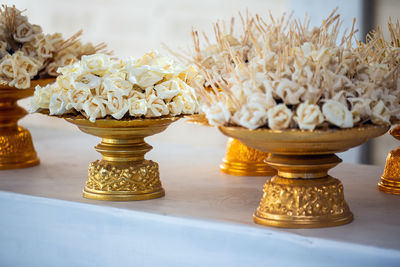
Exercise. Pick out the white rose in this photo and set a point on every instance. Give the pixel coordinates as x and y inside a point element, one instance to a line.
<point>361,109</point>
<point>95,108</point>
<point>380,114</point>
<point>337,114</point>
<point>137,95</point>
<point>308,116</point>
<point>175,106</point>
<point>289,91</point>
<point>66,82</point>
<point>70,69</point>
<point>117,84</point>
<point>279,117</point>
<point>22,80</point>
<point>137,107</point>
<point>24,32</point>
<point>57,105</point>
<point>44,47</point>
<point>143,76</point>
<point>85,82</point>
<point>168,89</point>
<point>76,98</point>
<point>41,98</point>
<point>156,107</point>
<point>97,64</point>
<point>8,67</point>
<point>217,114</point>
<point>189,101</point>
<point>155,60</point>
<point>26,64</point>
<point>251,117</point>
<point>117,105</point>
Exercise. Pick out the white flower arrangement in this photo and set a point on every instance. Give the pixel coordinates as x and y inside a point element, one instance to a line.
<point>27,53</point>
<point>98,86</point>
<point>282,75</point>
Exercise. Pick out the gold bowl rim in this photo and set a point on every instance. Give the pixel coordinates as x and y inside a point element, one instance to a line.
<point>106,123</point>
<point>198,119</point>
<point>121,123</point>
<point>302,142</point>
<point>307,133</point>
<point>395,132</point>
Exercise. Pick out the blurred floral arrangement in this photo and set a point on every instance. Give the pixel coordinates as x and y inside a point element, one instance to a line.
<point>98,86</point>
<point>282,74</point>
<point>27,53</point>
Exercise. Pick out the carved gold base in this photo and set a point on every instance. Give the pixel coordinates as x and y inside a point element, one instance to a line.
<point>126,182</point>
<point>390,180</point>
<point>242,160</point>
<point>123,173</point>
<point>303,203</point>
<point>16,149</point>
<point>302,194</point>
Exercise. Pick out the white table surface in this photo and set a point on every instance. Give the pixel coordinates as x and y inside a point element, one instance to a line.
<point>205,219</point>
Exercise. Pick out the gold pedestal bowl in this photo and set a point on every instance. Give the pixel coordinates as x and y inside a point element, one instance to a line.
<point>390,180</point>
<point>239,159</point>
<point>16,146</point>
<point>302,194</point>
<point>123,173</point>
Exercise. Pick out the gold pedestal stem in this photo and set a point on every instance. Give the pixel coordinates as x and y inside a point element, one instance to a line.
<point>16,147</point>
<point>123,173</point>
<point>302,194</point>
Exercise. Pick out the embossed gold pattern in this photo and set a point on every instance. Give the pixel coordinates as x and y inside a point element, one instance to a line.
<point>123,173</point>
<point>16,147</point>
<point>302,194</point>
<point>245,161</point>
<point>390,180</point>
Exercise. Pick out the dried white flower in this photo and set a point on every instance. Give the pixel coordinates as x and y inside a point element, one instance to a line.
<point>380,114</point>
<point>94,108</point>
<point>57,105</point>
<point>217,114</point>
<point>308,116</point>
<point>137,107</point>
<point>279,117</point>
<point>41,98</point>
<point>337,114</point>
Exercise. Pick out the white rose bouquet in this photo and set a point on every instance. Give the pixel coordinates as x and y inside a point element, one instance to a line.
<point>282,75</point>
<point>26,53</point>
<point>99,86</point>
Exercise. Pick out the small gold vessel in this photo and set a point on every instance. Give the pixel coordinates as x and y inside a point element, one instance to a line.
<point>16,146</point>
<point>302,194</point>
<point>390,180</point>
<point>242,160</point>
<point>123,173</point>
<point>239,159</point>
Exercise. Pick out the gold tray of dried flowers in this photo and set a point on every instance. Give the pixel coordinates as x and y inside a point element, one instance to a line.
<point>121,102</point>
<point>300,95</point>
<point>28,58</point>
